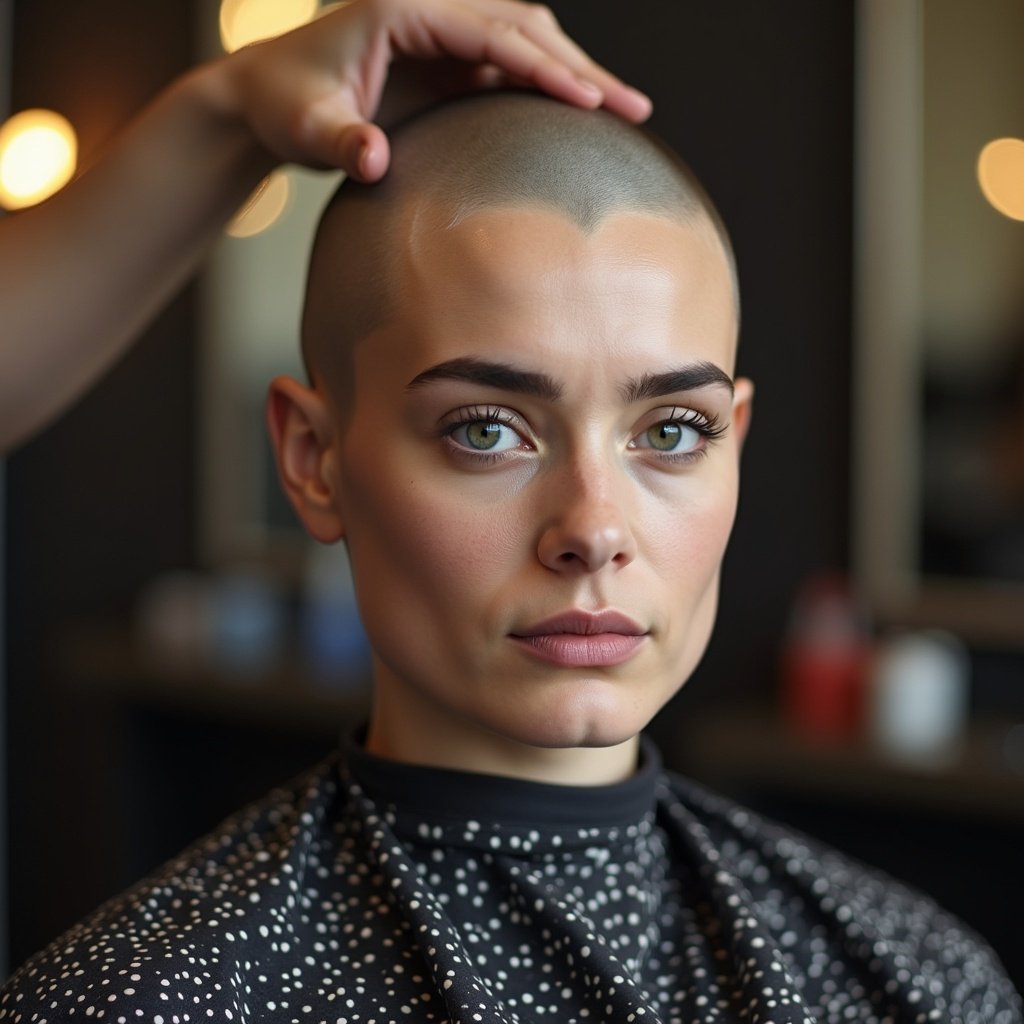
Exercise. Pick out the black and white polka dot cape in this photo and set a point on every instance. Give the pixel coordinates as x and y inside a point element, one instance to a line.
<point>369,892</point>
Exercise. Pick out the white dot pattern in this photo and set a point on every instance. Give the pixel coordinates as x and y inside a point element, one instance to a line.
<point>368,892</point>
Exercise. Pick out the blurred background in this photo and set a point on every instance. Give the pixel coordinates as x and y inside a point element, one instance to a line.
<point>174,648</point>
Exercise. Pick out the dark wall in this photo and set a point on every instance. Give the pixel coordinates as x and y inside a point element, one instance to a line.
<point>757,96</point>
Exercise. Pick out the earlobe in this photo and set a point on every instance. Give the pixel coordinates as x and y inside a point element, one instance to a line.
<point>742,409</point>
<point>302,434</point>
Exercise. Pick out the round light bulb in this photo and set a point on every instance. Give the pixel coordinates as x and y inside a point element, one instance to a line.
<point>265,206</point>
<point>1001,176</point>
<point>38,154</point>
<point>248,21</point>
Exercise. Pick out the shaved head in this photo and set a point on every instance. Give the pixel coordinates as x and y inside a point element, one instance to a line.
<point>503,149</point>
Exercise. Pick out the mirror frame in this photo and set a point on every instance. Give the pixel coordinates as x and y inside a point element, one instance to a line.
<point>887,434</point>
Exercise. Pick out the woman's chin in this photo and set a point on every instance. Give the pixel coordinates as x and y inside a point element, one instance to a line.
<point>583,723</point>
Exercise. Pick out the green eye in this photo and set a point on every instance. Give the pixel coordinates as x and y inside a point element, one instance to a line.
<point>685,435</point>
<point>483,436</point>
<point>672,437</point>
<point>665,437</point>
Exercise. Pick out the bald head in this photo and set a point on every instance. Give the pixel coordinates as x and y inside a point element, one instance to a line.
<point>489,150</point>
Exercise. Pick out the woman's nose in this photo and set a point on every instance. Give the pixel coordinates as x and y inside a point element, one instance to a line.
<point>588,526</point>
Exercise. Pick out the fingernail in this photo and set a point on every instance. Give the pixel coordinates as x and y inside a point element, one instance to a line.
<point>590,88</point>
<point>361,158</point>
<point>643,103</point>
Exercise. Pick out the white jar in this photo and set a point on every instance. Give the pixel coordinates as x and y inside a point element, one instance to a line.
<point>919,696</point>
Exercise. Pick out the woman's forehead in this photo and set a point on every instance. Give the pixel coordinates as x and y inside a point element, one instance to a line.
<point>527,280</point>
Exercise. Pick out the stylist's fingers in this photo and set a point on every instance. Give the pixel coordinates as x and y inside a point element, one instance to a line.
<point>498,41</point>
<point>311,95</point>
<point>539,24</point>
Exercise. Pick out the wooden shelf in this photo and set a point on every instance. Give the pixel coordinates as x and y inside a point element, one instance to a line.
<point>753,749</point>
<point>108,663</point>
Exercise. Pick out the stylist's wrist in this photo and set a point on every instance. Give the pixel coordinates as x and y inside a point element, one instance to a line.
<point>213,91</point>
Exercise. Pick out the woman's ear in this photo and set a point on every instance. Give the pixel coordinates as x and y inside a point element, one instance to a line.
<point>302,432</point>
<point>742,410</point>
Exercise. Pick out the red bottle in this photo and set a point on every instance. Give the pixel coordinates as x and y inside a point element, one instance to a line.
<point>825,662</point>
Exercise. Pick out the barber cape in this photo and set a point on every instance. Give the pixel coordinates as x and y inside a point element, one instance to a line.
<point>371,892</point>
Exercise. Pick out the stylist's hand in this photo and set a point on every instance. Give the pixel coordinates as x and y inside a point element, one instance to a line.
<point>312,96</point>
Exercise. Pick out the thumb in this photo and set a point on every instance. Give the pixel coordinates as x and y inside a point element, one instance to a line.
<point>332,134</point>
<point>361,149</point>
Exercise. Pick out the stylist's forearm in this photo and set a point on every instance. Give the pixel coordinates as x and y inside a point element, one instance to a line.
<point>84,273</point>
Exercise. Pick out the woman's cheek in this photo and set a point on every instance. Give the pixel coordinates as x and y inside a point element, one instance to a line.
<point>444,536</point>
<point>689,526</point>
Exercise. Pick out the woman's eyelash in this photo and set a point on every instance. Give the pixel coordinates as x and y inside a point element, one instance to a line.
<point>710,427</point>
<point>479,414</point>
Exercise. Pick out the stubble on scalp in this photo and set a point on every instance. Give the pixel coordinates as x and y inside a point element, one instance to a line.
<point>503,149</point>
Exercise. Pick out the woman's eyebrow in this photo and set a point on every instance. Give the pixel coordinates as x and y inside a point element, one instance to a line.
<point>511,378</point>
<point>682,378</point>
<point>495,375</point>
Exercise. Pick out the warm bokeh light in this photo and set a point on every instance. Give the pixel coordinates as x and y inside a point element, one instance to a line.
<point>265,206</point>
<point>247,21</point>
<point>38,153</point>
<point>1001,176</point>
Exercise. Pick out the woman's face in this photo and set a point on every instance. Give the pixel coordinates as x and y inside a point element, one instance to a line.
<point>546,427</point>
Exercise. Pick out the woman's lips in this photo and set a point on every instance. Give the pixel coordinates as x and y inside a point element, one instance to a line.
<point>575,650</point>
<point>579,639</point>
